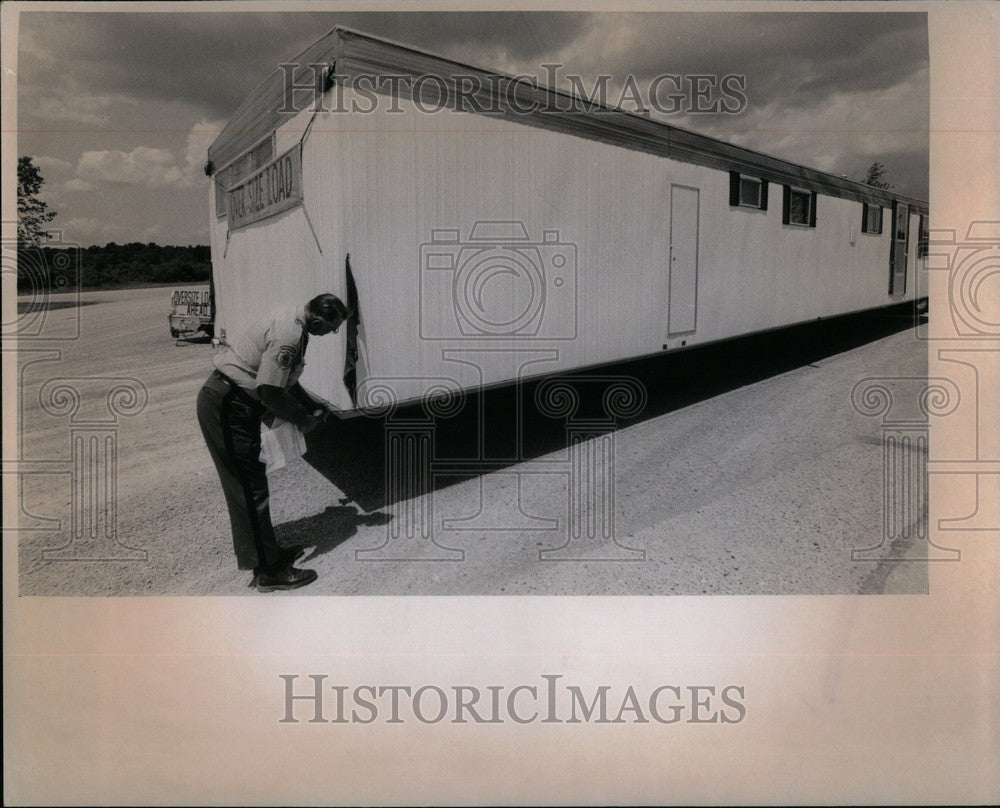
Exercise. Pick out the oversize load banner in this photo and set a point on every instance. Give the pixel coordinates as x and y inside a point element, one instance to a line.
<point>192,301</point>
<point>271,189</point>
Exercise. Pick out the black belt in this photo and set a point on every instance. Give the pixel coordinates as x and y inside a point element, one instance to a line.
<point>258,407</point>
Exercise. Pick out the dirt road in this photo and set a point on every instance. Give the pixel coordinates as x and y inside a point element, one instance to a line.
<point>747,472</point>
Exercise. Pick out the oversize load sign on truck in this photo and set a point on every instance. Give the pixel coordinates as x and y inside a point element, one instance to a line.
<point>191,317</point>
<point>192,301</point>
<point>271,189</point>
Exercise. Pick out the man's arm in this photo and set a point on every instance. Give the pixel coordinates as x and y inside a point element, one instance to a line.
<point>306,399</point>
<point>276,364</point>
<point>281,402</point>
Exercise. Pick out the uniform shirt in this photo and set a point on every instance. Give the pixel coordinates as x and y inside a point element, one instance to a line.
<point>272,351</point>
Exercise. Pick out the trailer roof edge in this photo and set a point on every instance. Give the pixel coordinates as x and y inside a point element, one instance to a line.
<point>357,52</point>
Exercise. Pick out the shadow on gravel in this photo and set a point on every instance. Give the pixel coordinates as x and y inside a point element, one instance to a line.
<point>322,532</point>
<point>484,432</point>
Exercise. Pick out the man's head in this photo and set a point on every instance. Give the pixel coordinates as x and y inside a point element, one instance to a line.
<point>324,314</point>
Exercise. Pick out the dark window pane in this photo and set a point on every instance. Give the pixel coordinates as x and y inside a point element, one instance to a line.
<point>750,192</point>
<point>263,153</point>
<point>239,169</point>
<point>874,219</point>
<point>799,208</point>
<point>220,194</point>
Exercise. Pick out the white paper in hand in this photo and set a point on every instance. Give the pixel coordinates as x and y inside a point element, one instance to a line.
<point>281,443</point>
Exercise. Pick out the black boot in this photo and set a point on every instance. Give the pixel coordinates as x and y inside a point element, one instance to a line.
<point>284,577</point>
<point>288,555</point>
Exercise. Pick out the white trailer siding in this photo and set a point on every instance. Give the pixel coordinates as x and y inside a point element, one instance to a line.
<point>400,177</point>
<point>276,262</point>
<point>378,185</point>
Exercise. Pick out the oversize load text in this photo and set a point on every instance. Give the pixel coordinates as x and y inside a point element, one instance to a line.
<point>192,300</point>
<point>273,188</point>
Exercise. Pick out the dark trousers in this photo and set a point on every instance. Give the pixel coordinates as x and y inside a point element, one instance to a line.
<point>230,422</point>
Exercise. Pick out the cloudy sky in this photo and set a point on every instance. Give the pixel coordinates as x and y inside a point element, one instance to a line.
<point>118,109</point>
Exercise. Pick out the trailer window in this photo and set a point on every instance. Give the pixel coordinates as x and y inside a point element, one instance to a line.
<point>902,224</point>
<point>799,210</point>
<point>239,168</point>
<point>799,207</point>
<point>750,192</point>
<point>262,153</point>
<point>747,192</point>
<point>923,238</point>
<point>220,195</point>
<point>243,165</point>
<point>225,179</point>
<point>871,219</point>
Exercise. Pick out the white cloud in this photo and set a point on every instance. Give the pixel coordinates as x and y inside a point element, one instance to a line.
<point>86,229</point>
<point>154,168</point>
<point>199,138</point>
<point>51,165</point>
<point>147,166</point>
<point>76,184</point>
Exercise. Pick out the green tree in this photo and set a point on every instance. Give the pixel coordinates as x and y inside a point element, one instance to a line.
<point>876,177</point>
<point>32,213</point>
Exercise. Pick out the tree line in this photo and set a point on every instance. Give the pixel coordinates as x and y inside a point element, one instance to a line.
<point>42,264</point>
<point>113,264</point>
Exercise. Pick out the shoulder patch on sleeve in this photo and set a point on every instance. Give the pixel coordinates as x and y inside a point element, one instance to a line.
<point>286,356</point>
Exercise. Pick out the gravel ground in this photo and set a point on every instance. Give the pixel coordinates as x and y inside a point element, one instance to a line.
<point>748,472</point>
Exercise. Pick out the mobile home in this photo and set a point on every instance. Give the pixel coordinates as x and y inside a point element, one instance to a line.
<point>499,230</point>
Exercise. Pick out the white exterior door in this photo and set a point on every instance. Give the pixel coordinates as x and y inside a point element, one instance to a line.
<point>683,260</point>
<point>900,247</point>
